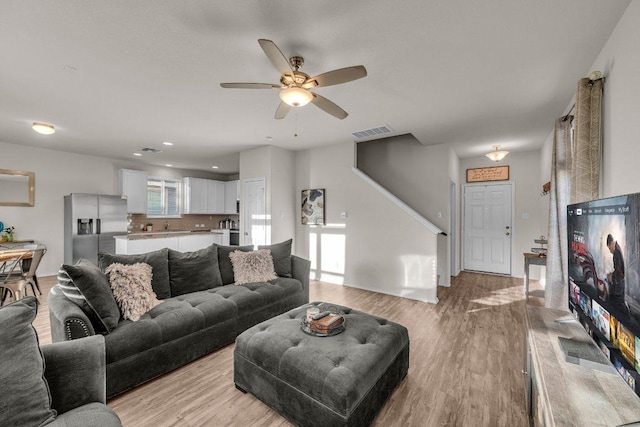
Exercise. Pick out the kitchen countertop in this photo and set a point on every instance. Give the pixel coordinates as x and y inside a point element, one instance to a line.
<point>168,233</point>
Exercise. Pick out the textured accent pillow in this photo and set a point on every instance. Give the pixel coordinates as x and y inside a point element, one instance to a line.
<point>131,285</point>
<point>194,271</point>
<point>26,400</point>
<point>158,260</point>
<point>281,253</point>
<point>84,284</point>
<point>226,268</point>
<point>252,267</point>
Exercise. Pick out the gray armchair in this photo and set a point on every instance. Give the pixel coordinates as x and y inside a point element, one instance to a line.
<point>76,374</point>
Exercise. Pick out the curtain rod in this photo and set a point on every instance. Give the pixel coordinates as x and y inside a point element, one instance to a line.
<point>566,116</point>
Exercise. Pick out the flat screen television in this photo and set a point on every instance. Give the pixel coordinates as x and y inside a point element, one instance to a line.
<point>604,278</point>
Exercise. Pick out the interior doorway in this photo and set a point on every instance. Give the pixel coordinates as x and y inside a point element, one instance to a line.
<point>254,217</point>
<point>488,227</point>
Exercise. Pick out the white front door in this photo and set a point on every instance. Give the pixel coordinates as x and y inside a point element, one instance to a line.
<point>488,228</point>
<point>254,223</point>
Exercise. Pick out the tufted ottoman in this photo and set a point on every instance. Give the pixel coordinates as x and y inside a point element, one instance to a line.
<point>342,380</point>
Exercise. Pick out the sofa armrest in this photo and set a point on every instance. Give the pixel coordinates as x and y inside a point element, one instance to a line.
<point>68,321</point>
<point>301,270</point>
<point>76,372</point>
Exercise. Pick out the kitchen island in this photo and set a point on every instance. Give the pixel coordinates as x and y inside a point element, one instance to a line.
<point>183,241</point>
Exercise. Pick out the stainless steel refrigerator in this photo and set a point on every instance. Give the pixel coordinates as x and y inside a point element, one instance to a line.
<point>90,223</point>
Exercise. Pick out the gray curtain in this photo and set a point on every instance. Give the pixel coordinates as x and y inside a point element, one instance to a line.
<point>575,177</point>
<point>555,295</point>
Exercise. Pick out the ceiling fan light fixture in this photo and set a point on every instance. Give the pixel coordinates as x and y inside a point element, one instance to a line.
<point>43,128</point>
<point>296,96</point>
<point>496,155</point>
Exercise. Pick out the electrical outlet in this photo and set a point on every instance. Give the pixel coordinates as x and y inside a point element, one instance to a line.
<point>343,214</point>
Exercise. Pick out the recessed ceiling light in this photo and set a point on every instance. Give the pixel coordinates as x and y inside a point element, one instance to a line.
<point>214,167</point>
<point>168,165</point>
<point>43,128</point>
<point>167,143</point>
<point>137,154</point>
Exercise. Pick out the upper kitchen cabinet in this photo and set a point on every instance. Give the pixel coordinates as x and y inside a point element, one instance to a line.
<point>215,201</point>
<point>231,196</point>
<point>196,195</point>
<point>133,184</point>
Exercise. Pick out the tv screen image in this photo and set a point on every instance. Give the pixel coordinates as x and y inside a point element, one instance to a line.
<point>604,277</point>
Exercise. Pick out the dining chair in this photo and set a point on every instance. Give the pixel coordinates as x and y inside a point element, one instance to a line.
<point>29,267</point>
<point>12,278</point>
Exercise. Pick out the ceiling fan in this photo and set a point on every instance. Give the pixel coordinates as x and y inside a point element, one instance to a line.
<point>294,84</point>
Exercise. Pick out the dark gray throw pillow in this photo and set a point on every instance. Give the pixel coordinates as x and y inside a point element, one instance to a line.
<point>158,260</point>
<point>194,271</point>
<point>226,268</point>
<point>84,284</point>
<point>281,253</point>
<point>26,400</point>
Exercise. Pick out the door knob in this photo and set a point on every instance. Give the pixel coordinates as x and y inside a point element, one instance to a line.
<point>507,233</point>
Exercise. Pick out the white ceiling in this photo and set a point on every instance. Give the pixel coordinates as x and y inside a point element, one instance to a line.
<point>116,76</point>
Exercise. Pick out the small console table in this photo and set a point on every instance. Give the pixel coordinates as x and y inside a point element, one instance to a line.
<point>530,259</point>
<point>563,393</point>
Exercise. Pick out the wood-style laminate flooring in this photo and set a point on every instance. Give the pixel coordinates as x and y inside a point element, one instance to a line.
<point>465,363</point>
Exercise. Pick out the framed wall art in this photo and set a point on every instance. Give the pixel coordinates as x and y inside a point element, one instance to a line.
<point>313,206</point>
<point>496,173</point>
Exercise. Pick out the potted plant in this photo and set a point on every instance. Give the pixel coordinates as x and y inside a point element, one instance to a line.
<point>149,226</point>
<point>8,234</point>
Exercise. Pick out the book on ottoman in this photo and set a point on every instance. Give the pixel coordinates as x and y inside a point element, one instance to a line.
<point>326,324</point>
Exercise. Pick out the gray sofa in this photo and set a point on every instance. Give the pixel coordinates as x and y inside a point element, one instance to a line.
<point>201,310</point>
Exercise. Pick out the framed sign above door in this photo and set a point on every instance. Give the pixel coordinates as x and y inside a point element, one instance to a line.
<point>496,173</point>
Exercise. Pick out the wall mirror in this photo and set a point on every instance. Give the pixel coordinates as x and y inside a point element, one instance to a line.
<point>17,188</point>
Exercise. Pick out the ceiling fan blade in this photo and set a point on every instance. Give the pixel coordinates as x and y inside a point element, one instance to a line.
<point>276,57</point>
<point>328,107</point>
<point>250,86</point>
<point>282,110</point>
<point>336,77</point>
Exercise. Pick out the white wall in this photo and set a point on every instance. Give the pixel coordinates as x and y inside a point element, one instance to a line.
<point>619,62</point>
<point>377,246</point>
<point>58,174</point>
<point>277,166</point>
<point>524,172</point>
<point>283,195</point>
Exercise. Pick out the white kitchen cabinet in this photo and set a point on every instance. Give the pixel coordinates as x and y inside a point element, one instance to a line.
<point>203,196</point>
<point>231,195</point>
<point>141,246</point>
<point>133,184</point>
<point>196,197</point>
<point>181,242</point>
<point>195,242</point>
<point>215,204</point>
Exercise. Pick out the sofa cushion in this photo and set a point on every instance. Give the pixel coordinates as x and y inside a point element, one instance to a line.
<point>25,392</point>
<point>131,286</point>
<point>158,260</point>
<point>175,318</point>
<point>194,271</point>
<point>226,268</point>
<point>88,287</point>
<point>250,267</point>
<point>281,254</point>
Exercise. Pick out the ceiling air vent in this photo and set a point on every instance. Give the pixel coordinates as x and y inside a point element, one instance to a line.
<point>151,150</point>
<point>368,133</point>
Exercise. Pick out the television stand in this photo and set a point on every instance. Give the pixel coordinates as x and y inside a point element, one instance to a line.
<point>559,392</point>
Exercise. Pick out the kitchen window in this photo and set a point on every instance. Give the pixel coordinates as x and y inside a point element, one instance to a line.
<point>163,196</point>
